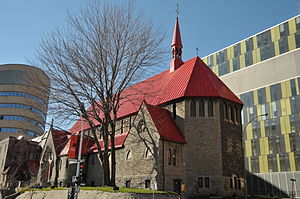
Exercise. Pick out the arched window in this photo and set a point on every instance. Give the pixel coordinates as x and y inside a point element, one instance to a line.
<point>225,111</point>
<point>174,156</point>
<point>169,157</point>
<point>238,114</point>
<point>129,155</point>
<point>201,108</point>
<point>232,112</point>
<point>193,108</point>
<point>210,108</point>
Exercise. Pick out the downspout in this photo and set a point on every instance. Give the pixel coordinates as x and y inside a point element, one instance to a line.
<point>163,164</point>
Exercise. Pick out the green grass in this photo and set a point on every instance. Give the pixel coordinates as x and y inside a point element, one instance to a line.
<point>105,189</point>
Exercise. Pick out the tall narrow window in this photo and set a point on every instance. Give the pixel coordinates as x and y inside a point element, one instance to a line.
<point>174,156</point>
<point>210,108</point>
<point>169,157</point>
<point>122,126</point>
<point>232,113</point>
<point>127,184</point>
<point>200,182</point>
<point>201,108</point>
<point>225,111</point>
<point>147,184</point>
<point>206,182</point>
<point>193,108</point>
<point>174,111</point>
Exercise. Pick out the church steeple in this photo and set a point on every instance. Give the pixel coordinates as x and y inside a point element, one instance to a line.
<point>176,46</point>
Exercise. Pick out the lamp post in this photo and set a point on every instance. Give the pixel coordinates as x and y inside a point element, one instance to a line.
<point>293,185</point>
<point>244,131</point>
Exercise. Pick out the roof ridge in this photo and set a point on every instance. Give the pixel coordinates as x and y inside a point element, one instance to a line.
<point>186,88</point>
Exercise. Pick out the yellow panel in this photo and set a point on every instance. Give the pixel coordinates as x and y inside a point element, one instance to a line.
<point>205,60</point>
<point>249,164</point>
<point>268,94</point>
<point>276,46</point>
<point>287,124</point>
<point>243,47</point>
<point>292,42</point>
<point>254,42</point>
<point>282,125</point>
<point>258,108</point>
<point>242,61</point>
<point>288,106</point>
<point>254,57</point>
<point>215,58</point>
<point>287,143</point>
<point>266,145</point>
<point>292,161</point>
<point>278,162</point>
<point>230,52</point>
<point>297,86</point>
<point>263,165</point>
<point>230,65</point>
<point>275,34</point>
<point>248,148</point>
<point>283,109</point>
<point>292,26</point>
<point>283,89</point>
<point>262,146</point>
<point>288,89</point>
<point>255,97</point>
<point>262,128</point>
<point>215,69</point>
<point>258,55</point>
<point>249,132</point>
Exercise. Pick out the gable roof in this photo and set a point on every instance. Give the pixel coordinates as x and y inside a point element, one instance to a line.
<point>60,139</point>
<point>165,125</point>
<point>191,79</point>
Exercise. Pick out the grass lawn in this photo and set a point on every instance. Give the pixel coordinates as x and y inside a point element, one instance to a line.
<point>105,189</point>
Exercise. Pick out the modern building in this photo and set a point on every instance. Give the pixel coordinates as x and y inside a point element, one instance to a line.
<point>184,133</point>
<point>264,71</point>
<point>24,92</point>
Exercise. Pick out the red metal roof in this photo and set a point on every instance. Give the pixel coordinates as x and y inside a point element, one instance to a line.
<point>119,142</point>
<point>165,125</point>
<point>192,79</point>
<point>60,138</point>
<point>176,35</point>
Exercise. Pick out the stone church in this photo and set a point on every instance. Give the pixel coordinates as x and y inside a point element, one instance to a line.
<point>180,131</point>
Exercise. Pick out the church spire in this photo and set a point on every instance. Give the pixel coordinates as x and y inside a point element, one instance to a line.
<point>176,46</point>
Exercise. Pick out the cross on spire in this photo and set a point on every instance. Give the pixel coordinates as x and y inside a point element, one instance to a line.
<point>177,10</point>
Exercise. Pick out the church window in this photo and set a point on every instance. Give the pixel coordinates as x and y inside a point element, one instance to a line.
<point>122,126</point>
<point>206,182</point>
<point>169,157</point>
<point>226,111</point>
<point>193,108</point>
<point>147,184</point>
<point>232,113</point>
<point>67,163</point>
<point>231,183</point>
<point>174,156</point>
<point>210,108</point>
<point>200,182</point>
<point>201,108</point>
<point>93,160</point>
<point>127,184</point>
<point>129,155</point>
<point>237,114</point>
<point>235,182</point>
<point>174,111</point>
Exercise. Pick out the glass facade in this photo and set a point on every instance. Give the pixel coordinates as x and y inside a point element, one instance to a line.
<point>22,94</point>
<point>272,42</point>
<point>16,130</point>
<point>22,118</point>
<point>22,106</point>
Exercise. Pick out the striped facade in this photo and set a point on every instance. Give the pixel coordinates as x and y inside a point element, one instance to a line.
<point>264,71</point>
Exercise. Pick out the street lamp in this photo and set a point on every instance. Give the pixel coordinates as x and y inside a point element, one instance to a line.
<point>244,130</point>
<point>293,184</point>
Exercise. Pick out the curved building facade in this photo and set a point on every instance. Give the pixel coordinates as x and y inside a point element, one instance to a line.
<point>24,93</point>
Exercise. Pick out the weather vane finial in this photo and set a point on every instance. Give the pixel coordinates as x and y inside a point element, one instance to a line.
<point>197,51</point>
<point>177,10</point>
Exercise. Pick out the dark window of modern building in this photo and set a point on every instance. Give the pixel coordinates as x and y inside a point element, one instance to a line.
<point>147,184</point>
<point>293,142</point>
<point>267,128</point>
<point>248,59</point>
<point>22,106</point>
<point>249,44</point>
<point>127,183</point>
<point>221,56</point>
<point>283,45</point>
<point>201,108</point>
<point>210,108</point>
<point>267,51</point>
<point>237,50</point>
<point>298,23</point>
<point>169,157</point>
<point>275,92</point>
<point>293,87</point>
<point>174,111</point>
<point>256,129</point>
<point>200,182</point>
<point>255,147</point>
<point>297,38</point>
<point>193,108</point>
<point>297,161</point>
<point>254,165</point>
<point>264,38</point>
<point>248,98</point>
<point>284,29</point>
<point>261,94</point>
<point>223,68</point>
<point>206,182</point>
<point>210,61</point>
<point>236,63</point>
<point>21,94</point>
<point>174,157</point>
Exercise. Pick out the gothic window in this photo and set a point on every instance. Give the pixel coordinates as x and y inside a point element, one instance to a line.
<point>206,182</point>
<point>141,126</point>
<point>232,113</point>
<point>200,182</point>
<point>225,111</point>
<point>201,108</point>
<point>67,163</point>
<point>174,156</point>
<point>169,157</point>
<point>193,108</point>
<point>210,108</point>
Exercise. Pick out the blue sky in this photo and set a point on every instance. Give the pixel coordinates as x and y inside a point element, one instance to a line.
<point>209,25</point>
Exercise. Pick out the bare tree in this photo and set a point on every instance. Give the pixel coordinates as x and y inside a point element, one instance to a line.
<point>105,49</point>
